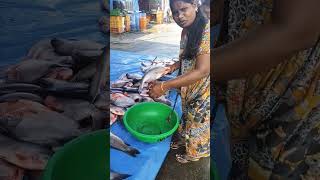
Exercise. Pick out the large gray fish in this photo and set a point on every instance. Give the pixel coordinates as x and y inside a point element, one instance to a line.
<point>152,75</point>
<point>70,47</point>
<point>10,172</point>
<point>117,110</point>
<point>116,176</point>
<point>23,154</point>
<point>31,70</point>
<point>121,100</point>
<point>85,73</point>
<point>101,77</point>
<point>118,143</point>
<point>20,95</point>
<point>60,86</point>
<point>136,97</point>
<point>164,100</point>
<point>32,122</point>
<point>134,76</point>
<point>19,87</point>
<point>102,101</point>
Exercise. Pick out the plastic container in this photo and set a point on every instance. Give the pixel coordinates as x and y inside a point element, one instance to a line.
<point>159,17</point>
<point>127,23</point>
<point>148,121</point>
<point>143,22</point>
<point>116,24</point>
<point>84,158</point>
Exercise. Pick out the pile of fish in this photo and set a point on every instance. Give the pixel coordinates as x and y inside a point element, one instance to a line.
<point>52,96</point>
<point>104,21</point>
<point>131,88</point>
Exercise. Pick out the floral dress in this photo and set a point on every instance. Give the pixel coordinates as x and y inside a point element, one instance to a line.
<point>274,115</point>
<point>196,104</point>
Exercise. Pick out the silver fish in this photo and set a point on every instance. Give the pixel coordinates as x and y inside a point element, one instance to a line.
<point>102,76</point>
<point>85,73</point>
<point>26,155</point>
<point>19,87</point>
<point>56,85</point>
<point>32,122</point>
<point>116,176</point>
<point>121,100</point>
<point>164,100</point>
<point>152,75</point>
<point>31,70</point>
<point>118,143</point>
<point>134,76</point>
<point>135,96</point>
<point>69,47</point>
<point>20,95</point>
<point>117,110</point>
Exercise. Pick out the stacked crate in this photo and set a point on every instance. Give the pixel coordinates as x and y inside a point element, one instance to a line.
<point>117,24</point>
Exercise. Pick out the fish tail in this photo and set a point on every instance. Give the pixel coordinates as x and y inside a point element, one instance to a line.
<point>133,151</point>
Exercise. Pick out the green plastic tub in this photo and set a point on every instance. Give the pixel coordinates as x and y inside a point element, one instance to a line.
<point>84,158</point>
<point>148,121</point>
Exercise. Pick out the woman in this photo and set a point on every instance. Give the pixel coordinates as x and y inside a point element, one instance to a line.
<point>270,63</point>
<point>194,81</point>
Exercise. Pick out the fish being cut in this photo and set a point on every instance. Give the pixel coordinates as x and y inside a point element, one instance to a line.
<point>152,75</point>
<point>118,143</point>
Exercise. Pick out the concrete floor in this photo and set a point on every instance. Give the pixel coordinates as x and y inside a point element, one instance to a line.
<point>163,40</point>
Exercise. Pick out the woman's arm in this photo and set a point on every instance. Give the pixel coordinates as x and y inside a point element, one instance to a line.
<point>295,26</point>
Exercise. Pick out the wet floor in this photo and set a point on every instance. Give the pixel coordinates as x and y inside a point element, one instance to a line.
<point>163,40</point>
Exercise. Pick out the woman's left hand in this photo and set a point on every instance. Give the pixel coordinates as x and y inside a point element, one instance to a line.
<point>155,90</point>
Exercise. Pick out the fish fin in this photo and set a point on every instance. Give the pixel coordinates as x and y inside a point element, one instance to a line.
<point>122,176</point>
<point>133,152</point>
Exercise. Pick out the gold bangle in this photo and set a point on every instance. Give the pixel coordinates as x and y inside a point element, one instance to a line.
<point>161,86</point>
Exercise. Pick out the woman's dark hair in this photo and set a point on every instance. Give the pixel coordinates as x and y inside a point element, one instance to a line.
<point>194,32</point>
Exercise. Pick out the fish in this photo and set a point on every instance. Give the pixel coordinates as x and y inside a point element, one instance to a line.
<point>121,100</point>
<point>113,118</point>
<point>152,75</point>
<point>7,88</point>
<point>20,95</point>
<point>134,76</point>
<point>33,122</point>
<point>61,86</point>
<point>83,59</point>
<point>117,110</point>
<point>164,100</point>
<point>22,154</point>
<point>101,76</point>
<point>60,73</point>
<point>116,176</point>
<point>147,99</point>
<point>102,101</point>
<point>135,96</point>
<point>67,47</point>
<point>10,172</point>
<point>31,70</point>
<point>119,83</point>
<point>85,74</point>
<point>117,143</point>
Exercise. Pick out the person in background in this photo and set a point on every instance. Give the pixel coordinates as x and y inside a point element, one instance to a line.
<point>193,81</point>
<point>270,68</point>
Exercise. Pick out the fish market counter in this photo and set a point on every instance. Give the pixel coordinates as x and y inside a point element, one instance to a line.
<point>146,164</point>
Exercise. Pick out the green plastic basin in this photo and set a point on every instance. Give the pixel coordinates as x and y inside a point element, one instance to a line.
<point>147,121</point>
<point>84,158</point>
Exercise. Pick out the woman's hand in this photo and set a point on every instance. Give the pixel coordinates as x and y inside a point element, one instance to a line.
<point>157,89</point>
